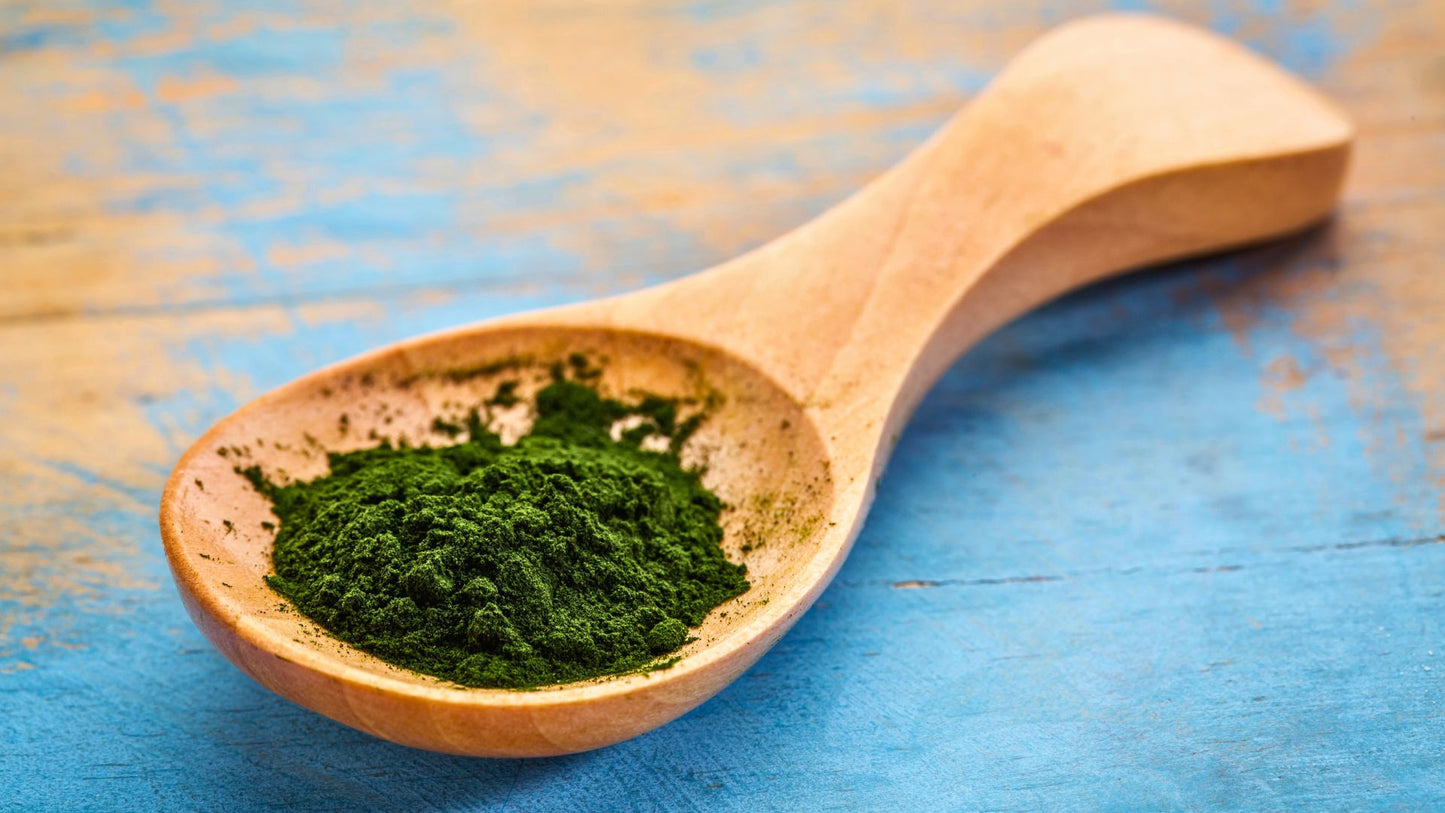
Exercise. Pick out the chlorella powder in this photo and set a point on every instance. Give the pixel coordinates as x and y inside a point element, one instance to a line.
<point>563,557</point>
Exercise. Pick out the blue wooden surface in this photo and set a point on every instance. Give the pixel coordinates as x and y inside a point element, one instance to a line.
<point>1175,542</point>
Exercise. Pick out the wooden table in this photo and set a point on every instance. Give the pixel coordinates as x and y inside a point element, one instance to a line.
<point>1171,543</point>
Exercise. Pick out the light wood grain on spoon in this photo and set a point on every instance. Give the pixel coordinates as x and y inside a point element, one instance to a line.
<point>1111,143</point>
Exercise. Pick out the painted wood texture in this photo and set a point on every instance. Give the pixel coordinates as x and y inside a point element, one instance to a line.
<point>1175,542</point>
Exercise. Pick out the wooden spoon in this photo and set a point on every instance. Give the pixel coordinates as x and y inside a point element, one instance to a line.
<point>1109,144</point>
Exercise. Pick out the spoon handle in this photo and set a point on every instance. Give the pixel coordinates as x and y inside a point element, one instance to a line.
<point>1111,143</point>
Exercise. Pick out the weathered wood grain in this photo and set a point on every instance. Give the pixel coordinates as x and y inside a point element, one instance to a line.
<point>1171,543</point>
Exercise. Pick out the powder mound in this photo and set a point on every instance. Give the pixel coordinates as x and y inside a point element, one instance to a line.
<point>564,557</point>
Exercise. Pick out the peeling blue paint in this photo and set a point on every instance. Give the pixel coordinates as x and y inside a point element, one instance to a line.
<point>1136,589</point>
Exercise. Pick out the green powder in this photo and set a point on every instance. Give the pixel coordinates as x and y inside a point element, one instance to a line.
<point>563,557</point>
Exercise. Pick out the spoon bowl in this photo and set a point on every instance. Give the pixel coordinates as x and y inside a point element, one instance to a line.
<point>219,530</point>
<point>1110,144</point>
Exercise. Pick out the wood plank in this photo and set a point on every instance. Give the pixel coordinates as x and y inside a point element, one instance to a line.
<point>1172,543</point>
<point>524,145</point>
